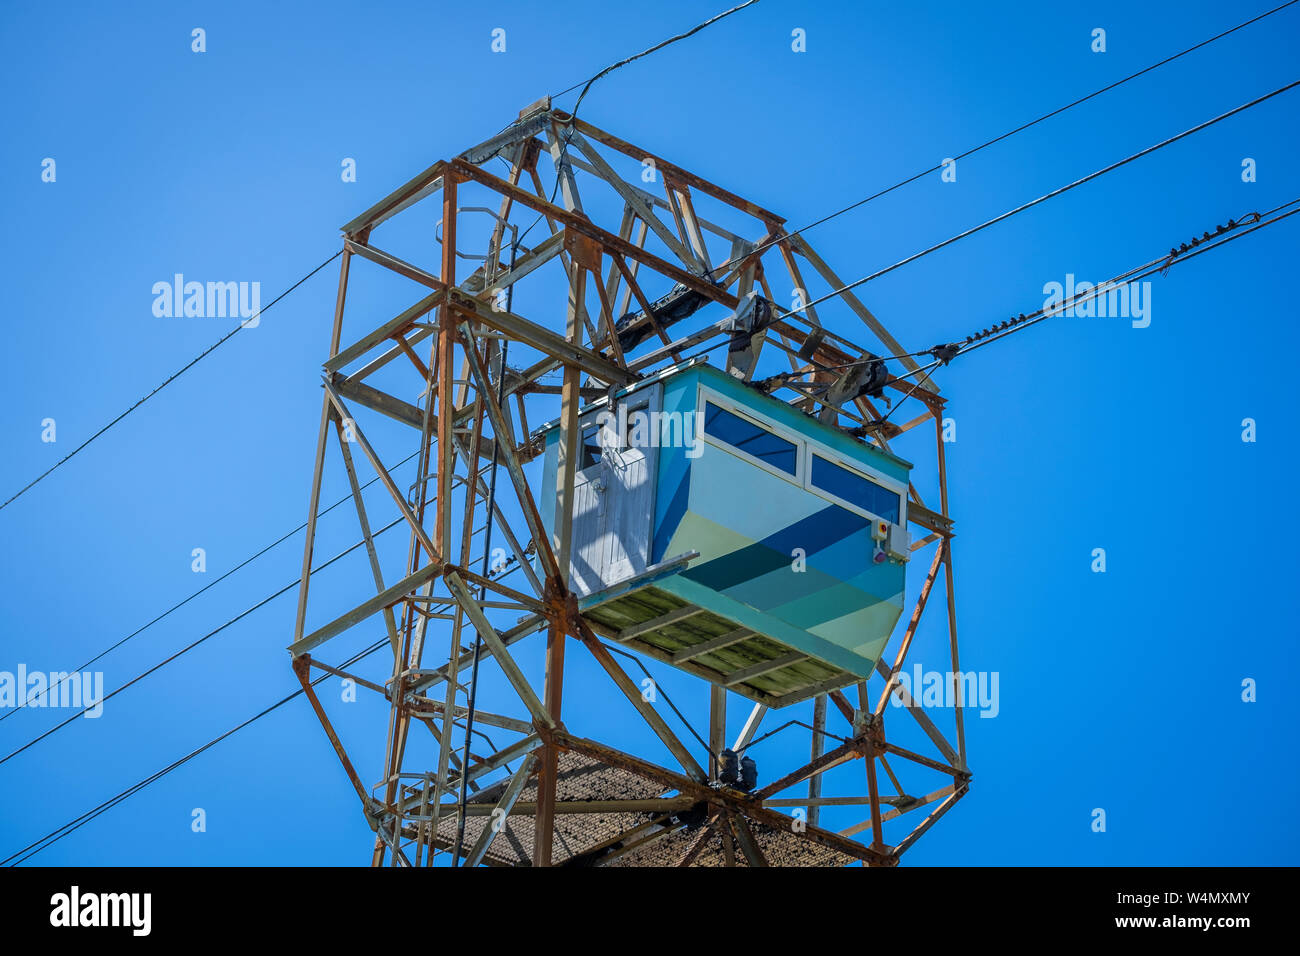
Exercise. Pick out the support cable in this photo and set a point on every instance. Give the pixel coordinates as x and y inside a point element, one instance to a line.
<point>663,693</point>
<point>1223,234</point>
<point>176,607</point>
<point>586,85</point>
<point>1041,199</point>
<point>56,835</point>
<point>171,378</point>
<point>71,826</point>
<point>189,647</point>
<point>1009,133</point>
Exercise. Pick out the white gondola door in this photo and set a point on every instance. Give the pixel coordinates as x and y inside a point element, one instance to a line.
<point>613,494</point>
<point>630,483</point>
<point>587,562</point>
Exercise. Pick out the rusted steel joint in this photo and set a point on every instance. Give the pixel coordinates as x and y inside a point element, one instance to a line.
<point>549,738</point>
<point>556,599</point>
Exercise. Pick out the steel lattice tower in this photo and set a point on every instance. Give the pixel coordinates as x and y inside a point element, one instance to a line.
<point>479,373</point>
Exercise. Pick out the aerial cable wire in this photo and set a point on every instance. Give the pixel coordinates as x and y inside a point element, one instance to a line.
<point>167,381</point>
<point>661,692</point>
<point>1161,266</point>
<point>1009,133</point>
<point>834,293</point>
<point>588,83</point>
<point>296,582</point>
<point>58,834</point>
<point>794,723</point>
<point>176,607</point>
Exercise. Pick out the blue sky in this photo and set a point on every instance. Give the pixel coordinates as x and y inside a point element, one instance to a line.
<point>1119,691</point>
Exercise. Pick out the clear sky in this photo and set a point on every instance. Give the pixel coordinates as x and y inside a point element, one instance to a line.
<point>1121,691</point>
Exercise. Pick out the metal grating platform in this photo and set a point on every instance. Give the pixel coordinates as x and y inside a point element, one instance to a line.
<point>612,838</point>
<point>779,847</point>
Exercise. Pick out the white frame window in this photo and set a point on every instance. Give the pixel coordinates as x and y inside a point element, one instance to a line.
<point>884,481</point>
<point>743,412</point>
<point>805,448</point>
